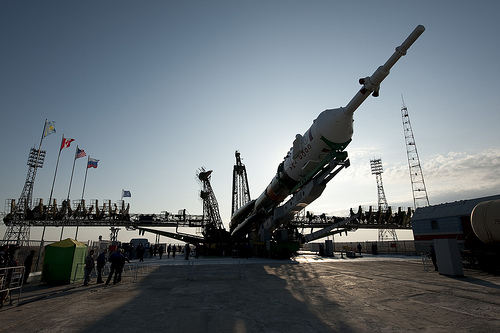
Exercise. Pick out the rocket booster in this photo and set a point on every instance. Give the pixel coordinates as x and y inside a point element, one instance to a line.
<point>330,132</point>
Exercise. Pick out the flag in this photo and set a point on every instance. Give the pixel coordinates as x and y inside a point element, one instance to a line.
<point>92,163</point>
<point>79,153</point>
<point>126,194</point>
<point>50,127</point>
<point>66,142</point>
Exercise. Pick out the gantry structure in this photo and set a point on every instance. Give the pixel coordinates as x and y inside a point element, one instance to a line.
<point>241,191</point>
<point>212,221</point>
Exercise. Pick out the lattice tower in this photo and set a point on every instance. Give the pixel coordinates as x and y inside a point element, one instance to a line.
<point>377,170</point>
<point>420,197</point>
<point>19,231</point>
<point>241,191</point>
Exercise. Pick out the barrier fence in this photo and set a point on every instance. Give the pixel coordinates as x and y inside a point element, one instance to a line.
<point>11,280</point>
<point>133,270</point>
<point>406,247</point>
<point>207,269</point>
<point>193,268</point>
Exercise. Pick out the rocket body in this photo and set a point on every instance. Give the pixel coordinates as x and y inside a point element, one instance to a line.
<point>331,131</point>
<point>333,128</point>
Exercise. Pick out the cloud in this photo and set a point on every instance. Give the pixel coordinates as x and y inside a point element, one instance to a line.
<point>448,177</point>
<point>462,175</point>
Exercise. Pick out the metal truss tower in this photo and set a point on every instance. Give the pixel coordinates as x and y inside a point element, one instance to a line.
<point>377,170</point>
<point>241,191</point>
<point>19,233</point>
<point>211,216</point>
<point>420,198</point>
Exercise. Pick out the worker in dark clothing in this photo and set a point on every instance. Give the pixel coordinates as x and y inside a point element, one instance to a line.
<point>432,254</point>
<point>101,262</point>
<point>89,267</point>
<point>187,251</point>
<point>28,262</point>
<point>117,260</point>
<point>140,252</point>
<point>160,251</point>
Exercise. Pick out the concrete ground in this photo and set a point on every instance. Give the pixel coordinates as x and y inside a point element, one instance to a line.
<point>307,294</point>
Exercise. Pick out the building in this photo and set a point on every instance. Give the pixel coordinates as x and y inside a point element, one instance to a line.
<point>448,220</point>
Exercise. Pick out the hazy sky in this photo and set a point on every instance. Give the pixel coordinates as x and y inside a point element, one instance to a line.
<point>157,89</point>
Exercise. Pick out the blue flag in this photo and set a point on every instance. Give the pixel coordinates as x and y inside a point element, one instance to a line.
<point>126,194</point>
<point>50,127</point>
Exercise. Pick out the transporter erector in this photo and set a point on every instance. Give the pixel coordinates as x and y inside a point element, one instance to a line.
<point>315,157</point>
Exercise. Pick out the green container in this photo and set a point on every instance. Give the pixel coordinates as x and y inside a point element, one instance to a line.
<point>63,262</point>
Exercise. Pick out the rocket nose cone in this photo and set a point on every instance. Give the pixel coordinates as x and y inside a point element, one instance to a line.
<point>335,125</point>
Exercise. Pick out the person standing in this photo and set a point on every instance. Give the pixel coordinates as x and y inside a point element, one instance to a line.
<point>101,262</point>
<point>140,252</point>
<point>187,250</point>
<point>160,251</point>
<point>117,263</point>
<point>28,262</point>
<point>173,251</point>
<point>169,248</point>
<point>89,267</point>
<point>121,264</point>
<point>432,253</point>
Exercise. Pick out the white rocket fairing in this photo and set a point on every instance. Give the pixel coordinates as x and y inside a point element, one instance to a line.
<point>330,132</point>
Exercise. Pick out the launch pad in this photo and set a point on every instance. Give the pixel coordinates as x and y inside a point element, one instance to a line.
<point>269,222</point>
<point>310,294</point>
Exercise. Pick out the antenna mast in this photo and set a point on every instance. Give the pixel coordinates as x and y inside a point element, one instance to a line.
<point>420,198</point>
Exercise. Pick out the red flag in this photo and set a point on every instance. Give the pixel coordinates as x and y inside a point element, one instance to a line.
<point>66,142</point>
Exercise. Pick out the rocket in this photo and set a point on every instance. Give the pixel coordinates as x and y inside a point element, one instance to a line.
<point>330,133</point>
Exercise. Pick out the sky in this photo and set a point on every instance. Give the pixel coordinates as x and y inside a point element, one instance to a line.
<point>157,89</point>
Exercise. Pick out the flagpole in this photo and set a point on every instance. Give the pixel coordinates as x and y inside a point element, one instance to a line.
<point>72,171</point>
<point>36,164</point>
<point>83,191</point>
<point>41,140</point>
<point>51,191</point>
<point>55,173</point>
<point>71,181</point>
<point>26,203</point>
<point>86,170</point>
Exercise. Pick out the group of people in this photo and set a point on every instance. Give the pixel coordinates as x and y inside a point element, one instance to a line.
<point>117,260</point>
<point>160,250</point>
<point>7,256</point>
<point>7,260</point>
